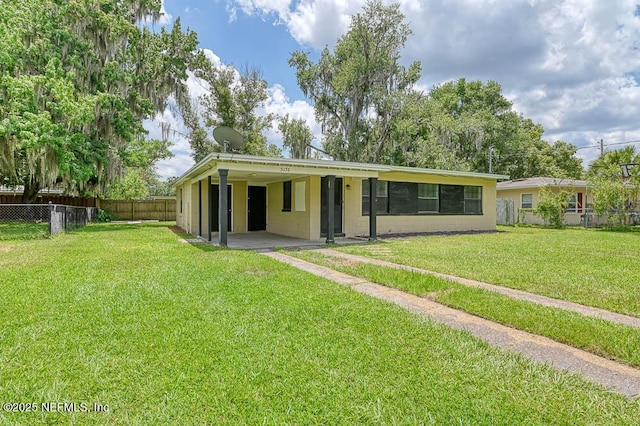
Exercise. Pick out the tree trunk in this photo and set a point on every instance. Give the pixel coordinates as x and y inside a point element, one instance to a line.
<point>30,194</point>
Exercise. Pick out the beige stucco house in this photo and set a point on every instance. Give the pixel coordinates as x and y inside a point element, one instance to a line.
<point>313,199</point>
<point>525,194</point>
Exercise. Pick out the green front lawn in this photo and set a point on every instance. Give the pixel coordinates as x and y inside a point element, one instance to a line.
<point>164,332</point>
<point>592,267</point>
<point>604,338</point>
<point>23,230</point>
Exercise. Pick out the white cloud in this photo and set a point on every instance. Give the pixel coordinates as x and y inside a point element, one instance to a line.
<point>310,22</point>
<point>280,105</point>
<point>261,7</point>
<point>320,23</point>
<point>165,18</point>
<point>571,65</point>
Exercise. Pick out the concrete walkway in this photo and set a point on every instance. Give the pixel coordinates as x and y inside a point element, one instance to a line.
<point>515,294</point>
<point>618,377</point>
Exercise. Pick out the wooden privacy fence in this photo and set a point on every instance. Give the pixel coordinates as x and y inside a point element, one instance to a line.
<point>164,210</point>
<point>505,212</point>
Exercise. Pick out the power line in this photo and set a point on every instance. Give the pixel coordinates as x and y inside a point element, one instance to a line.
<point>610,144</point>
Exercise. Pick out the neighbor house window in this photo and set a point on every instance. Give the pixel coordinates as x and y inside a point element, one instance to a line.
<point>573,204</point>
<point>286,196</point>
<point>180,197</point>
<point>526,201</point>
<point>428,198</point>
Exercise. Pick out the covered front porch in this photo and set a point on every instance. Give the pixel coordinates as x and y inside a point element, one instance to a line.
<point>271,202</point>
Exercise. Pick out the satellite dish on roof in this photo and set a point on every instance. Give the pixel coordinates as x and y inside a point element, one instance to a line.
<point>229,138</point>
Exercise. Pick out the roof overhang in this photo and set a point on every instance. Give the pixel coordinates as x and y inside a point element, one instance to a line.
<point>271,169</point>
<point>539,182</point>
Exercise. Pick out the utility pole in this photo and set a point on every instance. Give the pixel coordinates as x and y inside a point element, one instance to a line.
<point>601,147</point>
<point>491,159</point>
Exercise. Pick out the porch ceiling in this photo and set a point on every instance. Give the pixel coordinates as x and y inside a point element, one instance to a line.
<point>256,177</point>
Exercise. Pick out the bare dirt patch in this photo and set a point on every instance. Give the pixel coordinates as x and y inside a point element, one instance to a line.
<point>6,249</point>
<point>434,295</point>
<point>343,262</point>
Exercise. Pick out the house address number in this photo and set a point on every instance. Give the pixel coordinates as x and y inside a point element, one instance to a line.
<point>285,169</point>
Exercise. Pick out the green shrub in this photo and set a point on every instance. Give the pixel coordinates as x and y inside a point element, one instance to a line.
<point>552,207</point>
<point>103,216</point>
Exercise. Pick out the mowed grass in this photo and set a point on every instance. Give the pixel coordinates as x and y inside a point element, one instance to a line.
<point>23,230</point>
<point>164,332</point>
<point>604,338</point>
<point>591,267</point>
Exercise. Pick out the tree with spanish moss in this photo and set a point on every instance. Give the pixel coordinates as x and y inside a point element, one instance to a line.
<point>233,99</point>
<point>76,81</point>
<point>296,136</point>
<point>357,88</point>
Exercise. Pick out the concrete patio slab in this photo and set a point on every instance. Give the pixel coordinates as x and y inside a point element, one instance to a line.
<point>265,241</point>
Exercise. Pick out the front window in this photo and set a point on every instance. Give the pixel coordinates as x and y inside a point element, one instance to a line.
<point>286,196</point>
<point>473,199</point>
<point>382,195</point>
<point>409,198</point>
<point>428,198</point>
<point>527,201</point>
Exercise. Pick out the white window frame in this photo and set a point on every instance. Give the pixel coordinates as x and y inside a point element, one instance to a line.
<point>437,198</point>
<point>522,204</point>
<point>474,199</point>
<point>573,196</point>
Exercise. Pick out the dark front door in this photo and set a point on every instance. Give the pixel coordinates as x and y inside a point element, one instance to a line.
<point>214,208</point>
<point>257,205</point>
<point>337,207</point>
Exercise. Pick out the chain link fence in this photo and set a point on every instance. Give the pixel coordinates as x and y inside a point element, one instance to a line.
<point>32,220</point>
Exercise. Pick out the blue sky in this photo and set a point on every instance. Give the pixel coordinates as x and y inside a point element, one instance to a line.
<point>245,40</point>
<point>570,65</point>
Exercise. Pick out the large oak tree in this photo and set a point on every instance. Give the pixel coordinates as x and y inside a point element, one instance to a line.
<point>233,99</point>
<point>357,89</point>
<point>76,80</point>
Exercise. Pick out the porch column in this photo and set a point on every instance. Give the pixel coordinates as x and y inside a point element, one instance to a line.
<point>200,208</point>
<point>223,210</point>
<point>210,209</point>
<point>331,195</point>
<point>372,208</point>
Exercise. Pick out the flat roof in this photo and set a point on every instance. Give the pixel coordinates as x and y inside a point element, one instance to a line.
<point>343,166</point>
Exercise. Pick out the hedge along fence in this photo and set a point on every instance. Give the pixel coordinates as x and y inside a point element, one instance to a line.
<point>163,210</point>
